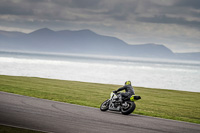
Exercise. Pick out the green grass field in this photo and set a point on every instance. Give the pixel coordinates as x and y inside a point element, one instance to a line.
<point>170,104</point>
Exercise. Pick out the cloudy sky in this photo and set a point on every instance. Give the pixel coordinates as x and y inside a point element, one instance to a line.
<point>173,23</point>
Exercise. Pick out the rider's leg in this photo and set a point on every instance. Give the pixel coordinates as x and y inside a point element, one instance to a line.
<point>123,95</point>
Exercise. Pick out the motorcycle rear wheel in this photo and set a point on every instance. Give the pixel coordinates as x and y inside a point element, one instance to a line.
<point>105,105</point>
<point>127,110</point>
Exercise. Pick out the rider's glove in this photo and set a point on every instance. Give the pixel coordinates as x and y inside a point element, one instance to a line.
<point>114,91</point>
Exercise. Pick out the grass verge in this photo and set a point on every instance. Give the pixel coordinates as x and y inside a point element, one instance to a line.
<point>170,104</point>
<point>8,129</point>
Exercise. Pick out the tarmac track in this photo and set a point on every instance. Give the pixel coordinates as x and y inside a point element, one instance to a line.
<point>58,117</point>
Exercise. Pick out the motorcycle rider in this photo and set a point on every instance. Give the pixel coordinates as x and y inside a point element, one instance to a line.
<point>129,91</point>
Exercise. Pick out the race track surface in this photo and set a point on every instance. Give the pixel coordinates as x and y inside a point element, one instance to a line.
<point>58,117</point>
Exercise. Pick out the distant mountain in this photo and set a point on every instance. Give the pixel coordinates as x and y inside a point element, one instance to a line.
<point>10,33</point>
<point>83,42</point>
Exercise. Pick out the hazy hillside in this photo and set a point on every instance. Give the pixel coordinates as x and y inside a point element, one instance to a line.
<point>84,42</point>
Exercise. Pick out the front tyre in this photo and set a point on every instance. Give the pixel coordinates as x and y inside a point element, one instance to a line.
<point>129,108</point>
<point>105,105</point>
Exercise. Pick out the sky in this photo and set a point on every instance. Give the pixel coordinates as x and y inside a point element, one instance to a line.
<point>173,23</point>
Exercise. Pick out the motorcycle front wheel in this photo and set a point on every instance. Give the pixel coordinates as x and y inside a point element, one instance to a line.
<point>105,105</point>
<point>128,109</point>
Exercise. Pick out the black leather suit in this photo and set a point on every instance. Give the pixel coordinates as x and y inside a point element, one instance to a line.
<point>128,91</point>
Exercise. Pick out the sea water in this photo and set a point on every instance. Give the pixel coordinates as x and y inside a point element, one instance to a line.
<point>109,70</point>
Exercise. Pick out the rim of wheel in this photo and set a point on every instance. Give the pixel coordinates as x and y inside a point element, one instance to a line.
<point>127,107</point>
<point>104,105</point>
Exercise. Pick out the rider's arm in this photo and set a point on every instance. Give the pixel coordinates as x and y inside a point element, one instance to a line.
<point>122,88</point>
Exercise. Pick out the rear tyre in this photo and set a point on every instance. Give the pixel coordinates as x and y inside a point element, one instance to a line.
<point>105,105</point>
<point>128,109</point>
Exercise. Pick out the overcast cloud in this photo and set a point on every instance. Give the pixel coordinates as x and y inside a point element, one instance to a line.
<point>174,23</point>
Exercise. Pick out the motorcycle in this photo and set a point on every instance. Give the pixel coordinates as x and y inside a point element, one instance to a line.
<point>126,106</point>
